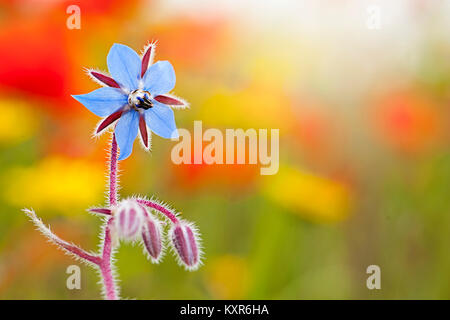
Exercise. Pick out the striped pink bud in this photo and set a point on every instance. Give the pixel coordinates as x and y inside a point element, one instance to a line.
<point>184,240</point>
<point>128,217</point>
<point>151,237</point>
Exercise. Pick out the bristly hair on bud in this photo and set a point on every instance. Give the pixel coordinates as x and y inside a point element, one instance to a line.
<point>129,217</point>
<point>186,245</point>
<point>152,238</point>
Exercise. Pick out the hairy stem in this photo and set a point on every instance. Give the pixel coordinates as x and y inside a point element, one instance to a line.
<point>104,260</point>
<point>105,265</point>
<point>154,205</point>
<point>113,173</point>
<point>68,247</point>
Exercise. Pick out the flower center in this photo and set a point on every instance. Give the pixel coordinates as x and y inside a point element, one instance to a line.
<point>140,99</point>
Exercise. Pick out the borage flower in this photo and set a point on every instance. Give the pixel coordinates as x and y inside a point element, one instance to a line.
<point>136,95</point>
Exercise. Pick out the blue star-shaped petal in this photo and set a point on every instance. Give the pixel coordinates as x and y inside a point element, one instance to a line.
<point>135,95</point>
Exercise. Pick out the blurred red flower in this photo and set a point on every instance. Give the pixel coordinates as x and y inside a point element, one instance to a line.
<point>31,61</point>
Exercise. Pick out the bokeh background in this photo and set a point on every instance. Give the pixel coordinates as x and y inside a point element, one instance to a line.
<point>364,127</point>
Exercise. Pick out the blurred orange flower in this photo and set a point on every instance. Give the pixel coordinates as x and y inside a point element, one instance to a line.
<point>189,42</point>
<point>408,120</point>
<point>197,176</point>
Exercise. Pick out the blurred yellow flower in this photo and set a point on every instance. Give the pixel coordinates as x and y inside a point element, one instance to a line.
<point>227,277</point>
<point>17,123</point>
<point>253,107</point>
<point>311,197</point>
<point>276,69</point>
<point>56,182</point>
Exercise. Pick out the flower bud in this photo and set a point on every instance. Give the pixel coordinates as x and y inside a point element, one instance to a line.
<point>185,242</point>
<point>129,217</point>
<point>151,236</point>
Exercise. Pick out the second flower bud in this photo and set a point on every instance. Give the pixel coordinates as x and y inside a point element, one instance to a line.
<point>132,220</point>
<point>151,237</point>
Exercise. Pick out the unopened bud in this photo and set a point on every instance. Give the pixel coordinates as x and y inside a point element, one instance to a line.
<point>129,217</point>
<point>151,236</point>
<point>184,240</point>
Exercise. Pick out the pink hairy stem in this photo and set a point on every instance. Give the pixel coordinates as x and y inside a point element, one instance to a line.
<point>69,247</point>
<point>160,208</point>
<point>105,264</point>
<point>113,173</point>
<point>78,251</point>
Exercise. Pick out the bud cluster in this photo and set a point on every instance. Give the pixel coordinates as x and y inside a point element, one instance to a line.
<point>133,222</point>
